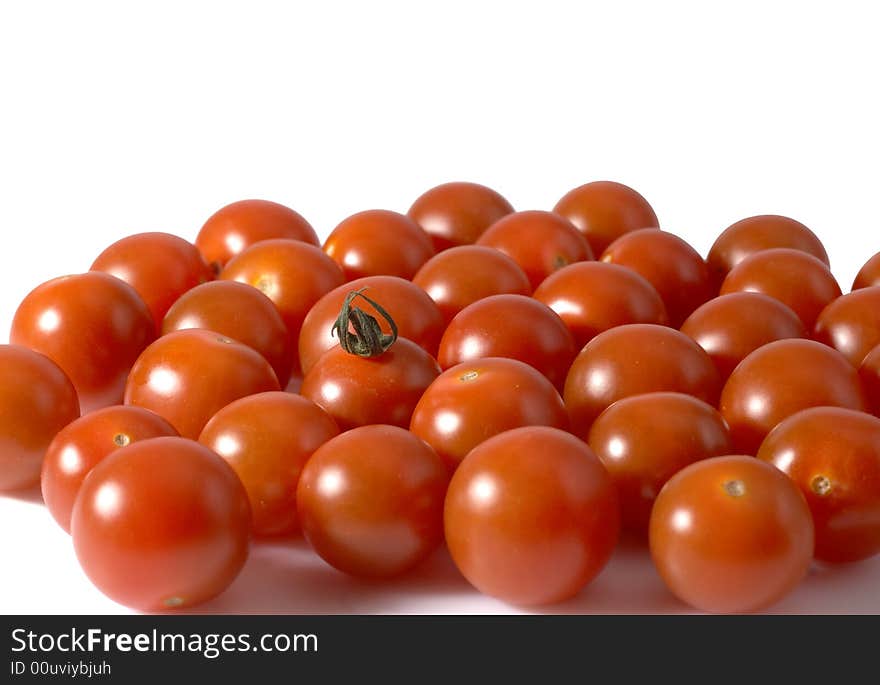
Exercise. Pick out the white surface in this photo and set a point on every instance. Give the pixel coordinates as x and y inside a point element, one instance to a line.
<point>116,120</point>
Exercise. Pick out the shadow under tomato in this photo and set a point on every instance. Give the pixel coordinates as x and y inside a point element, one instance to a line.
<point>32,495</point>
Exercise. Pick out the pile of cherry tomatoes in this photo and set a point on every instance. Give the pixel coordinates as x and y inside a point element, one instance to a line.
<point>519,385</point>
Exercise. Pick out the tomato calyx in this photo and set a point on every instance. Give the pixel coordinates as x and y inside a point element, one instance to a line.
<point>359,333</point>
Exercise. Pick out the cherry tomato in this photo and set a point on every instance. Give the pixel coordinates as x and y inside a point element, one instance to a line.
<point>531,516</point>
<point>415,314</point>
<point>371,501</point>
<point>512,326</point>
<point>780,379</point>
<point>757,233</point>
<point>869,373</point>
<point>869,274</point>
<point>161,524</point>
<point>604,210</point>
<point>851,324</point>
<point>833,455</point>
<point>457,213</point>
<point>592,297</point>
<point>80,445</point>
<point>632,360</point>
<point>159,266</point>
<point>474,401</point>
<point>731,534</point>
<point>379,243</point>
<point>463,275</point>
<point>36,401</point>
<point>357,391</point>
<point>237,226</point>
<point>540,242</point>
<point>667,262</point>
<point>93,326</point>
<point>731,327</point>
<point>237,311</point>
<point>267,438</point>
<point>793,277</point>
<point>645,440</point>
<point>188,376</point>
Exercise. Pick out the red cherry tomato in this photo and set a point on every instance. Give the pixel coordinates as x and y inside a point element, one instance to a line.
<point>632,360</point>
<point>731,327</point>
<point>793,277</point>
<point>592,297</point>
<point>36,401</point>
<point>93,326</point>
<point>371,501</point>
<point>458,213</point>
<point>757,233</point>
<point>267,438</point>
<point>237,226</point>
<point>780,379</point>
<point>80,445</point>
<point>540,242</point>
<point>645,440</point>
<point>463,275</point>
<point>188,376</point>
<point>604,210</point>
<point>415,314</point>
<point>357,391</point>
<point>161,524</point>
<point>531,516</point>
<point>869,274</point>
<point>237,311</point>
<point>731,534</point>
<point>667,262</point>
<point>159,266</point>
<point>379,243</point>
<point>869,373</point>
<point>851,324</point>
<point>834,457</point>
<point>474,401</point>
<point>512,326</point>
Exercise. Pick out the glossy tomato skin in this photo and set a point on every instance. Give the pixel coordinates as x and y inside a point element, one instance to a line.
<point>458,213</point>
<point>645,440</point>
<point>161,524</point>
<point>869,274</point>
<point>237,226</point>
<point>604,210</point>
<point>795,278</point>
<point>512,326</point>
<point>417,317</point>
<point>267,438</point>
<point>851,324</point>
<point>236,311</point>
<point>36,401</point>
<point>730,327</point>
<point>539,242</point>
<point>674,268</point>
<point>833,455</point>
<point>531,516</point>
<point>371,501</point>
<point>188,376</point>
<point>473,401</point>
<point>632,360</point>
<point>463,275</point>
<point>378,242</point>
<point>357,391</point>
<point>780,379</point>
<point>756,233</point>
<point>82,444</point>
<point>592,297</point>
<point>731,534</point>
<point>159,266</point>
<point>93,326</point>
<point>869,374</point>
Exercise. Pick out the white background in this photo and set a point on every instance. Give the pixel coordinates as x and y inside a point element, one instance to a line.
<point>120,117</point>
